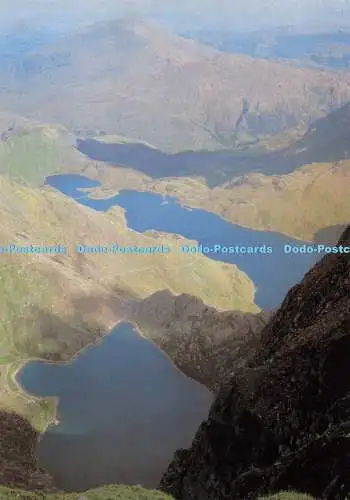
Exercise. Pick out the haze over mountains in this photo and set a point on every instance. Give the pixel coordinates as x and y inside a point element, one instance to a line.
<point>127,113</point>
<point>137,80</point>
<point>306,47</point>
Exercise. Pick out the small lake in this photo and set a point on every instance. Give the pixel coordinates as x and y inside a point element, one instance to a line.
<point>218,167</point>
<point>273,275</point>
<point>124,409</point>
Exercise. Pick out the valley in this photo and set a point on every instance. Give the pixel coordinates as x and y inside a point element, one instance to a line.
<point>157,340</point>
<point>192,96</point>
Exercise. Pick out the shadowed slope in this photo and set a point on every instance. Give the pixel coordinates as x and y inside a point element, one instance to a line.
<point>284,419</point>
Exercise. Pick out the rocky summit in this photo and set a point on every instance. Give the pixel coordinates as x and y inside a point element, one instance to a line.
<point>282,422</point>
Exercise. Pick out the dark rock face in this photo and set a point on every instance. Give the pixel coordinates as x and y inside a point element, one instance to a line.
<point>204,343</point>
<point>283,420</point>
<point>18,465</point>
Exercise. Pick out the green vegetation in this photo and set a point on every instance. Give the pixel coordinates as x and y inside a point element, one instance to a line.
<point>33,152</point>
<point>320,191</point>
<point>288,495</point>
<point>118,492</point>
<point>54,306</point>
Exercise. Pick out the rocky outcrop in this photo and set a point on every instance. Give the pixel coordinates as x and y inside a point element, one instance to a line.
<point>18,465</point>
<point>283,420</point>
<point>204,343</point>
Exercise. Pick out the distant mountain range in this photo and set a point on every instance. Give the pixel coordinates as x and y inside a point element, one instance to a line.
<point>265,145</point>
<point>139,80</point>
<point>308,48</point>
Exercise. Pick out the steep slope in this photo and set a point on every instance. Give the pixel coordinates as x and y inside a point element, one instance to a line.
<point>22,479</point>
<point>324,140</point>
<point>31,150</point>
<point>140,81</point>
<point>282,422</point>
<point>203,342</point>
<point>18,466</point>
<point>320,191</point>
<point>53,305</point>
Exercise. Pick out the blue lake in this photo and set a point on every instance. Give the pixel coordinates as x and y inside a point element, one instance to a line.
<point>273,275</point>
<point>123,406</point>
<point>123,409</point>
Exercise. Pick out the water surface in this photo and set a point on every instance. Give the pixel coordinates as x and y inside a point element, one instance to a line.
<point>273,275</point>
<point>124,409</point>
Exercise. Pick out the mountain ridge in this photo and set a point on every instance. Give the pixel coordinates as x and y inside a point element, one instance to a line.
<point>282,421</point>
<point>172,92</point>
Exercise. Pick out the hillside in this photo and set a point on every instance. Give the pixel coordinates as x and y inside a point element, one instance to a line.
<point>310,47</point>
<point>57,304</point>
<point>282,421</point>
<point>140,81</point>
<point>204,343</point>
<point>32,150</point>
<point>22,479</point>
<point>320,191</point>
<point>325,140</point>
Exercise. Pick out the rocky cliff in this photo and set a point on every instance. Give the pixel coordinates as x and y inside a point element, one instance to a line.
<point>202,341</point>
<point>283,420</point>
<point>18,465</point>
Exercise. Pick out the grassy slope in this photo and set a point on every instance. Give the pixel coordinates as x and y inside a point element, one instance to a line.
<point>33,151</point>
<point>53,307</point>
<point>297,204</point>
<point>118,492</point>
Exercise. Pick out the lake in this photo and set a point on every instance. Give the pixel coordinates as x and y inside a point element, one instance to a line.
<point>273,275</point>
<point>218,167</point>
<point>123,409</point>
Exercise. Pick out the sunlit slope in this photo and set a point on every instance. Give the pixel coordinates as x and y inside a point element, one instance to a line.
<point>297,204</point>
<point>55,284</point>
<point>52,306</point>
<point>33,151</point>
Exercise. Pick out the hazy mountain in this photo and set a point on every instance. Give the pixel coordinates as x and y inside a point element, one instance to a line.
<point>141,81</point>
<point>308,47</point>
<point>258,188</point>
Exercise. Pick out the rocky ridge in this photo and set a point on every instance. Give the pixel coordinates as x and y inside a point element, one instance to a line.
<point>203,342</point>
<point>283,420</point>
<point>18,464</point>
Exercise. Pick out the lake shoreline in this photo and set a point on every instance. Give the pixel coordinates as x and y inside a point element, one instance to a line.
<point>21,364</point>
<point>184,399</point>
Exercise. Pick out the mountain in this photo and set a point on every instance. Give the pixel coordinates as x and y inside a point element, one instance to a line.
<point>32,150</point>
<point>325,140</point>
<point>17,464</point>
<point>203,342</point>
<point>254,200</point>
<point>22,478</point>
<point>56,304</point>
<point>140,81</point>
<point>282,421</point>
<point>309,47</point>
